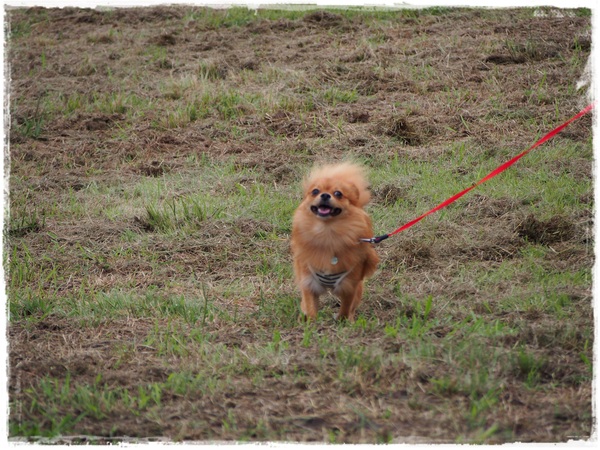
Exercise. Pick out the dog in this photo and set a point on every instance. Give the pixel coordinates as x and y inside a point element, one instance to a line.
<point>325,241</point>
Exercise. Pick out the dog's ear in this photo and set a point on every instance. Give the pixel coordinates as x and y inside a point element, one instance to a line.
<point>353,193</point>
<point>357,196</point>
<point>365,196</point>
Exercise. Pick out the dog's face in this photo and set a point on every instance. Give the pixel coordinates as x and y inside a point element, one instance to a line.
<point>328,198</point>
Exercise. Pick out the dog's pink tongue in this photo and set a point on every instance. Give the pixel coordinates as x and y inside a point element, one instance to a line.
<point>324,210</point>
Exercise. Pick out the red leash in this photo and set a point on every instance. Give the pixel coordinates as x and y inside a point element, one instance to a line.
<point>500,169</point>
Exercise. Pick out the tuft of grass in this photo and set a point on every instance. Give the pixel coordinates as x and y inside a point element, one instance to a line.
<point>528,50</point>
<point>95,401</point>
<point>117,305</point>
<point>335,96</point>
<point>32,125</point>
<point>188,213</point>
<point>25,223</point>
<point>529,367</point>
<point>210,70</point>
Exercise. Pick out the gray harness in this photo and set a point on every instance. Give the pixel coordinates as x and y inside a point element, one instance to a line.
<point>330,281</point>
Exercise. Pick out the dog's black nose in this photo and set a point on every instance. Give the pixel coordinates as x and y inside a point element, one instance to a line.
<point>325,196</point>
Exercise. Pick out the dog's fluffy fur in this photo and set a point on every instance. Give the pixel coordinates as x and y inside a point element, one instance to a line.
<point>325,237</point>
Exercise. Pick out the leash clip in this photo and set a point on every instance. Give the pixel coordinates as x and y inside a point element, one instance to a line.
<point>376,239</point>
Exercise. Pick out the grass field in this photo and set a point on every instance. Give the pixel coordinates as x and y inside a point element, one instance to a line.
<point>155,163</point>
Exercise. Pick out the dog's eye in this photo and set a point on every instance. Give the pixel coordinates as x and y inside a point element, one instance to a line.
<point>338,194</point>
<point>315,192</point>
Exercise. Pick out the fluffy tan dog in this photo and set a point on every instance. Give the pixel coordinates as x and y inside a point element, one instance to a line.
<point>325,237</point>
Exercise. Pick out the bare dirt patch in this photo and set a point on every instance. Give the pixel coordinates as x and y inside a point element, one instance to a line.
<point>556,229</point>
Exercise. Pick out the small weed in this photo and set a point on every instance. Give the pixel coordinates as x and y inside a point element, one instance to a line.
<point>231,105</point>
<point>283,311</point>
<point>32,125</point>
<point>308,335</point>
<point>22,269</point>
<point>446,386</point>
<point>584,357</point>
<point>20,29</point>
<point>529,367</point>
<point>484,435</point>
<point>275,345</point>
<point>480,407</point>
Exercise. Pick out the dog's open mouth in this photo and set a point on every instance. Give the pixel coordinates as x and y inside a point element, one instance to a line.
<point>324,210</point>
